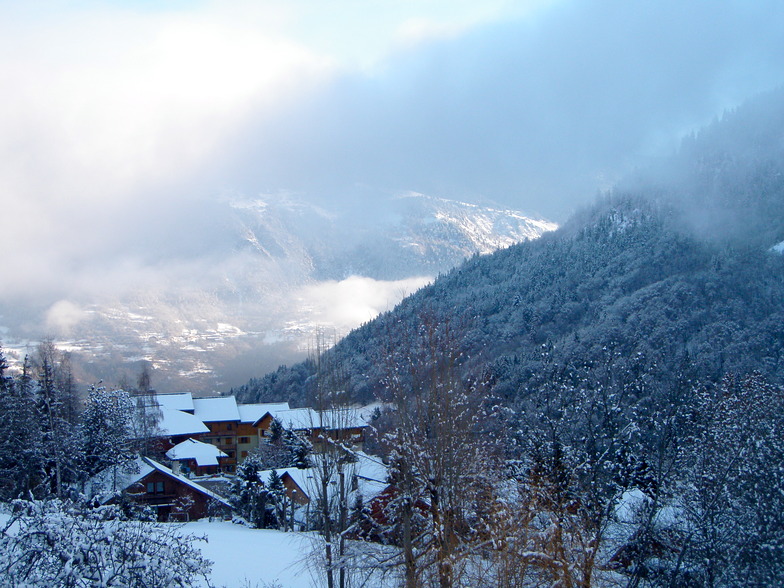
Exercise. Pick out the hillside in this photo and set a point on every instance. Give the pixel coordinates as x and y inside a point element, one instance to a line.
<point>671,276</point>
<point>266,274</point>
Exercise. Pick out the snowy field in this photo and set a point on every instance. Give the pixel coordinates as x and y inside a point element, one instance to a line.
<point>254,558</point>
<point>259,558</point>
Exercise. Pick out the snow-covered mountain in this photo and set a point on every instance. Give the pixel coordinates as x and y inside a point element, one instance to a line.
<point>406,236</point>
<point>271,273</point>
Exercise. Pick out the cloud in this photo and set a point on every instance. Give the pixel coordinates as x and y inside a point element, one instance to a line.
<point>63,316</point>
<point>343,305</point>
<point>119,123</point>
<point>536,112</point>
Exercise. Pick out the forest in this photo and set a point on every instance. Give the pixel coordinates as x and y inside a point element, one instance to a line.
<point>600,407</point>
<point>635,353</point>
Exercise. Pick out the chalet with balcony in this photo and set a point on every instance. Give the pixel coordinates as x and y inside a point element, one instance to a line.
<point>222,417</point>
<point>147,482</point>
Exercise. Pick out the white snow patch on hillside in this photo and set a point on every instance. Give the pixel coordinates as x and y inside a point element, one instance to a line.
<point>253,557</point>
<point>779,248</point>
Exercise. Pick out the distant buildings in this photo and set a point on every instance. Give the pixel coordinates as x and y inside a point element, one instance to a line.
<point>205,436</point>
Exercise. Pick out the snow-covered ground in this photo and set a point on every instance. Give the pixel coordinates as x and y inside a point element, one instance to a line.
<point>260,558</point>
<point>254,558</point>
<point>257,558</point>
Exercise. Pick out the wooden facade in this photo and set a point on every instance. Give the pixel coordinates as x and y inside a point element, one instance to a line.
<point>223,434</point>
<point>174,497</point>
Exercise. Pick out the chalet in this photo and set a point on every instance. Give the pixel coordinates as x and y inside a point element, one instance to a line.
<point>248,433</point>
<point>222,417</point>
<point>173,418</point>
<point>369,478</point>
<point>195,458</point>
<point>177,426</point>
<point>237,429</point>
<point>149,483</point>
<point>340,425</point>
<point>298,483</point>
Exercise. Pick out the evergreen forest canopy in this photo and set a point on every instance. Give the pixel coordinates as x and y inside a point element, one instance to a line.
<point>602,406</point>
<point>623,374</point>
<point>670,277</point>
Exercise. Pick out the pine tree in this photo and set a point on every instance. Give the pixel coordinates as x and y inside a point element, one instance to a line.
<point>105,430</point>
<point>277,500</point>
<point>249,493</point>
<point>56,407</point>
<point>21,459</point>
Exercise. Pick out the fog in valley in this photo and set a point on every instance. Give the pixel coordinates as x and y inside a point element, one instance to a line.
<point>205,186</point>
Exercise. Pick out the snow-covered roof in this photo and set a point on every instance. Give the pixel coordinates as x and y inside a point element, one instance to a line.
<point>302,478</point>
<point>221,408</point>
<point>105,484</point>
<point>297,419</point>
<point>371,473</point>
<point>176,401</point>
<point>371,467</point>
<point>175,422</point>
<point>198,487</point>
<point>205,454</point>
<point>251,413</point>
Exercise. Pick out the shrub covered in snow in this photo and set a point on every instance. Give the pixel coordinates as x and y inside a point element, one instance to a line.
<point>54,543</point>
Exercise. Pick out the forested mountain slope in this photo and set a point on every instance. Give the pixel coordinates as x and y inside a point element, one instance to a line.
<point>670,277</point>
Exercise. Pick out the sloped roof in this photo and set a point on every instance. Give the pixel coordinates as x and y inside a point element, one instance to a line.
<point>176,401</point>
<point>252,413</point>
<point>304,478</point>
<point>175,422</point>
<point>371,473</point>
<point>220,408</point>
<point>107,483</point>
<point>297,419</point>
<point>205,454</point>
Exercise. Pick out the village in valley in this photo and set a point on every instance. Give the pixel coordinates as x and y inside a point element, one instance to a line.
<point>201,444</point>
<point>345,294</point>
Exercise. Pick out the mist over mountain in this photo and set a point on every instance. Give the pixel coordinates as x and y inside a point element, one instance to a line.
<point>241,284</point>
<point>672,276</point>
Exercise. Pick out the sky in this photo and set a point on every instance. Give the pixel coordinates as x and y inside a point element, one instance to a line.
<point>121,122</point>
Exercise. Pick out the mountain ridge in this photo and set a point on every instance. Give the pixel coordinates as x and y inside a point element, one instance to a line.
<point>649,277</point>
<point>263,288</point>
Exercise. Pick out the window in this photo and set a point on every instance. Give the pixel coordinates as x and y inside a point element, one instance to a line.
<point>155,488</point>
<point>244,439</point>
<point>230,454</point>
<point>229,426</point>
<point>244,454</point>
<point>227,441</point>
<point>229,468</point>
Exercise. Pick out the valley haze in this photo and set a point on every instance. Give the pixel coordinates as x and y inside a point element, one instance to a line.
<point>198,185</point>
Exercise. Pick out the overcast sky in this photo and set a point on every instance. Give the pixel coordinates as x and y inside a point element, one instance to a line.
<point>120,121</point>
